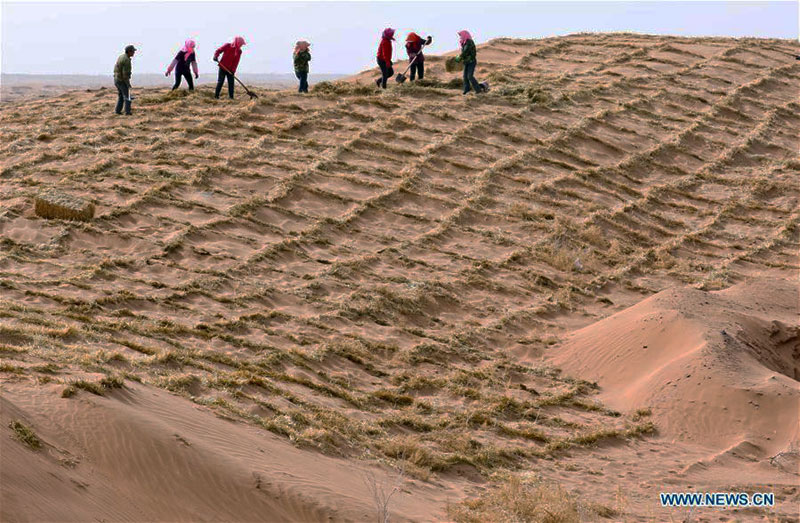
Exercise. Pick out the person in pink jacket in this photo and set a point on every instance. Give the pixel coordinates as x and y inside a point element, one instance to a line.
<point>180,64</point>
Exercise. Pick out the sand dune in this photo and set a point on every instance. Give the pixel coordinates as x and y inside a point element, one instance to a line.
<point>104,456</point>
<point>373,278</point>
<point>718,368</point>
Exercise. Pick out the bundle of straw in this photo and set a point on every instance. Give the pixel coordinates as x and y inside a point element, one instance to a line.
<point>54,204</point>
<point>451,66</point>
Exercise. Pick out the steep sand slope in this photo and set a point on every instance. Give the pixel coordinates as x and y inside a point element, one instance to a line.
<point>719,369</point>
<point>142,454</point>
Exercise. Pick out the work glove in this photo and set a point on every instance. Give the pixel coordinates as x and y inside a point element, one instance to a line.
<point>429,40</point>
<point>196,76</point>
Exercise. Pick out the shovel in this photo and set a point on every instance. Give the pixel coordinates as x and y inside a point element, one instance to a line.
<point>400,78</point>
<point>248,91</point>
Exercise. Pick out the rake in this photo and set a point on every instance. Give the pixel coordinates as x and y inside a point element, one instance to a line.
<point>248,91</point>
<point>400,78</point>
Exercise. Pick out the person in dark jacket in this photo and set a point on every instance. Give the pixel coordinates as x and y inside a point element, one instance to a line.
<point>185,57</point>
<point>231,54</point>
<point>469,58</point>
<point>385,57</point>
<point>301,57</point>
<point>123,70</point>
<point>414,45</point>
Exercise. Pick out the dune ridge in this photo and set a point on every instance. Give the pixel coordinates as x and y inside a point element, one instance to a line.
<point>377,275</point>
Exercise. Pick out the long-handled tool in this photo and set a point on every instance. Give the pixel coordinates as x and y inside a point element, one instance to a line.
<point>400,78</point>
<point>249,93</point>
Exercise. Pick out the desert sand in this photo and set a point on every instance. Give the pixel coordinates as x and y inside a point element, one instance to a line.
<point>577,290</point>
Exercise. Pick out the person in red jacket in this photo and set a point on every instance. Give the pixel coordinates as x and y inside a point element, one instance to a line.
<point>231,53</point>
<point>385,57</point>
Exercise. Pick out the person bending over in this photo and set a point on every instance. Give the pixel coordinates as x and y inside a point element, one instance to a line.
<point>414,45</point>
<point>231,54</point>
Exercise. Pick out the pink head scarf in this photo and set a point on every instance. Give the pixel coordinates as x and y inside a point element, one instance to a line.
<point>239,41</point>
<point>188,48</point>
<point>301,46</point>
<point>463,36</point>
<point>388,33</point>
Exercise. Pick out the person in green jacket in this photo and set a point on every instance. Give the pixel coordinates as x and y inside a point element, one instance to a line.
<point>301,58</point>
<point>469,58</point>
<point>122,79</point>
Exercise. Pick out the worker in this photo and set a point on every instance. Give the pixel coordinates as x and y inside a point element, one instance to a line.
<point>231,54</point>
<point>385,57</point>
<point>123,70</point>
<point>185,57</point>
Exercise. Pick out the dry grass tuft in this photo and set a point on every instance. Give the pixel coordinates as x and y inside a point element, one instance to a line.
<point>25,434</point>
<point>382,493</point>
<point>342,88</point>
<point>97,388</point>
<point>516,501</point>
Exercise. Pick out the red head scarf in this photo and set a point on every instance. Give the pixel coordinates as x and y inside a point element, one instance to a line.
<point>414,37</point>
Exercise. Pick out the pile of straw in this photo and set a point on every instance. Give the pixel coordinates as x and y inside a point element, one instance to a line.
<point>54,204</point>
<point>451,66</point>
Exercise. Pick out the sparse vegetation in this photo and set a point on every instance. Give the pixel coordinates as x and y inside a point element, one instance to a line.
<point>98,388</point>
<point>517,500</point>
<point>382,493</point>
<point>25,434</point>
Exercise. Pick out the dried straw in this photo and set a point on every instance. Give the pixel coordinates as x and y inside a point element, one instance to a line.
<point>451,66</point>
<point>54,204</point>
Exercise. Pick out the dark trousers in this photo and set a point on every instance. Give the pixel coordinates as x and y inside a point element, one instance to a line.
<point>186,75</point>
<point>221,79</point>
<point>123,98</point>
<point>303,77</point>
<point>386,72</point>
<point>417,68</point>
<point>469,78</point>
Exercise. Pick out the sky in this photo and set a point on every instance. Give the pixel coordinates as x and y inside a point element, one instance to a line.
<point>86,38</point>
